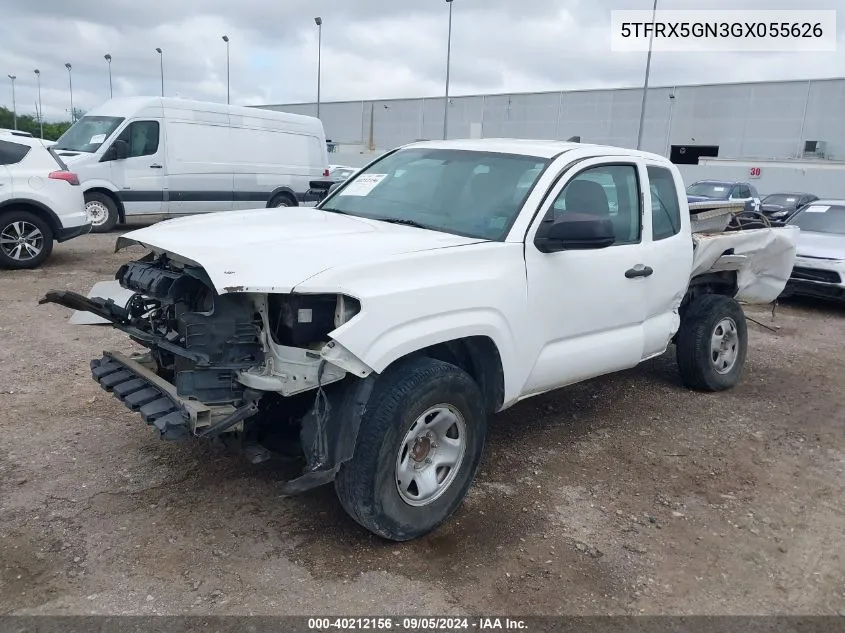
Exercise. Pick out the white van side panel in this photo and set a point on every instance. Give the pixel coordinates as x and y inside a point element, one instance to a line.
<point>198,160</point>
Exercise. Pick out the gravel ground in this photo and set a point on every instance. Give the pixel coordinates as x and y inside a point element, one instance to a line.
<point>624,494</point>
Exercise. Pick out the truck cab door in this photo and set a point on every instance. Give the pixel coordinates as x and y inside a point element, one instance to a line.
<point>666,237</point>
<point>587,306</point>
<point>138,168</point>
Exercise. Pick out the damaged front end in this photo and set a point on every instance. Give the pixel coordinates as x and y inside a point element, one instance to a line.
<point>253,370</point>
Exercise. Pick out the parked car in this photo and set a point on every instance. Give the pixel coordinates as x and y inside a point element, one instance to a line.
<point>341,172</point>
<point>40,202</point>
<point>820,263</point>
<point>705,190</point>
<point>779,206</point>
<point>154,155</point>
<point>378,331</point>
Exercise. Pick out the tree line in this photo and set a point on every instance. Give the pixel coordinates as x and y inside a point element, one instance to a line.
<point>28,123</point>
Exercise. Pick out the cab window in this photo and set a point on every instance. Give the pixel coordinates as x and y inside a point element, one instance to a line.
<point>665,210</point>
<point>610,191</point>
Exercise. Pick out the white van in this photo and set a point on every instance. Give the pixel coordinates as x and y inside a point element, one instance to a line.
<point>155,155</point>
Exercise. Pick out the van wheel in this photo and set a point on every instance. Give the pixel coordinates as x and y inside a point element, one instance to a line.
<point>102,212</point>
<point>282,200</point>
<point>712,343</point>
<point>417,452</point>
<point>25,240</point>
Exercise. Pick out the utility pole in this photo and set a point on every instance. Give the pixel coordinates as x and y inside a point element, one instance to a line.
<point>647,71</point>
<point>14,105</point>
<point>111,90</point>
<point>448,69</point>
<point>228,97</point>
<point>40,111</point>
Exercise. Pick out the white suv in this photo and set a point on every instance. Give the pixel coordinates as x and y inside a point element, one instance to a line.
<point>40,201</point>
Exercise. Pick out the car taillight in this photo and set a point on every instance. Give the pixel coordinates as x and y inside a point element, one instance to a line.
<point>325,173</point>
<point>67,176</point>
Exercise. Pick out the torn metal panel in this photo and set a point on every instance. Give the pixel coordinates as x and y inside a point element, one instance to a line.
<point>762,259</point>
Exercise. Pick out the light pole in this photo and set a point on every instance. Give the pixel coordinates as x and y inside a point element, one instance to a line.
<point>647,71</point>
<point>40,112</point>
<point>319,22</point>
<point>161,64</point>
<point>14,105</point>
<point>70,85</point>
<point>448,68</point>
<point>111,91</point>
<point>226,39</point>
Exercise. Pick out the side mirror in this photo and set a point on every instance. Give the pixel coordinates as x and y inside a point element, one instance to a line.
<point>575,231</point>
<point>119,150</point>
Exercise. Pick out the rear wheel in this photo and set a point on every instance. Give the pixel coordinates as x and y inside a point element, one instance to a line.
<point>102,212</point>
<point>26,240</point>
<point>282,200</point>
<point>418,449</point>
<point>712,343</point>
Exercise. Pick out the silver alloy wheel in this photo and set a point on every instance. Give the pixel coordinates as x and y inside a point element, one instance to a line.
<point>282,202</point>
<point>98,213</point>
<point>21,240</point>
<point>724,345</point>
<point>430,456</point>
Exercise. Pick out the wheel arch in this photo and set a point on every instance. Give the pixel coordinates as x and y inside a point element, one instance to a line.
<point>37,208</point>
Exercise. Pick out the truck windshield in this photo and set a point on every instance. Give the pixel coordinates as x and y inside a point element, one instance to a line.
<point>821,218</point>
<point>716,190</point>
<point>470,193</point>
<point>87,134</point>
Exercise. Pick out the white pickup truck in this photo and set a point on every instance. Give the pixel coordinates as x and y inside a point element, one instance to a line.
<point>447,281</point>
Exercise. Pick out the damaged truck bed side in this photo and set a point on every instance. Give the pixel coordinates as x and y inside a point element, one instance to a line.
<point>374,335</point>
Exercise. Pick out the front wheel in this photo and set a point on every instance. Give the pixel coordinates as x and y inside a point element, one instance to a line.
<point>417,452</point>
<point>101,211</point>
<point>712,343</point>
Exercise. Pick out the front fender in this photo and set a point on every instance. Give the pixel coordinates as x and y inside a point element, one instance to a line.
<point>404,338</point>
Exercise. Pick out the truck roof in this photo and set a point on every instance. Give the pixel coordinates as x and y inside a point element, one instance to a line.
<point>530,147</point>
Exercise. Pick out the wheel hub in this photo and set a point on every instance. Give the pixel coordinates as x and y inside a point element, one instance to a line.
<point>421,448</point>
<point>97,213</point>
<point>430,455</point>
<point>724,345</point>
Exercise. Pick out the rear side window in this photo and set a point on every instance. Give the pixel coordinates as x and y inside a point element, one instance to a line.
<point>12,153</point>
<point>742,191</point>
<point>665,210</point>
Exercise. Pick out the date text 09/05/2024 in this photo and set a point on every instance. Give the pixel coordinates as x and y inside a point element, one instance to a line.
<point>415,624</point>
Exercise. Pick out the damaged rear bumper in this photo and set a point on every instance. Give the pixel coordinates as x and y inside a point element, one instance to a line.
<point>156,399</point>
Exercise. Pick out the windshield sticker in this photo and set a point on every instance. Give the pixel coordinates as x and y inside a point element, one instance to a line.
<point>816,209</point>
<point>97,139</point>
<point>719,189</point>
<point>362,185</point>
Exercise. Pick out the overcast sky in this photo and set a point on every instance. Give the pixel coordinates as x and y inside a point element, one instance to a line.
<point>371,49</point>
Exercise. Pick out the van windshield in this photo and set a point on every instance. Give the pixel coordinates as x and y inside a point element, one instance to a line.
<point>87,134</point>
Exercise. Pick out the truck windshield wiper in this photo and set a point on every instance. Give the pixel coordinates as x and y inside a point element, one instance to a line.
<point>404,222</point>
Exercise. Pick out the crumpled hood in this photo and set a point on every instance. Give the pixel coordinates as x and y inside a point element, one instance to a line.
<point>821,245</point>
<point>274,250</point>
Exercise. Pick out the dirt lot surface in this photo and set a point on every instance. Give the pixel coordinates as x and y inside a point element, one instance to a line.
<point>625,494</point>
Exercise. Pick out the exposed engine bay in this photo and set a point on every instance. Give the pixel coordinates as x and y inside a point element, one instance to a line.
<point>254,370</point>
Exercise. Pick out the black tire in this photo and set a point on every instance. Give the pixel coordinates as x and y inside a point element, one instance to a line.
<point>367,486</point>
<point>112,214</point>
<point>14,222</point>
<point>701,367</point>
<point>282,200</point>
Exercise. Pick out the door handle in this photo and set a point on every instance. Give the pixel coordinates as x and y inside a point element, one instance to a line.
<point>155,166</point>
<point>645,271</point>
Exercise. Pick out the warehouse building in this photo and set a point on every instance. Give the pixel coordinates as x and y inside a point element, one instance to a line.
<point>778,120</point>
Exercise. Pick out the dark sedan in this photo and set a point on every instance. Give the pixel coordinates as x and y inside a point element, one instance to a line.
<point>780,206</point>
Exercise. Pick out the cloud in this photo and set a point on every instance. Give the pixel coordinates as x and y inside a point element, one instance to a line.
<point>371,49</point>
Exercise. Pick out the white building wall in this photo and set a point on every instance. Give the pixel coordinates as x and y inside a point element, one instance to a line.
<point>751,120</point>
